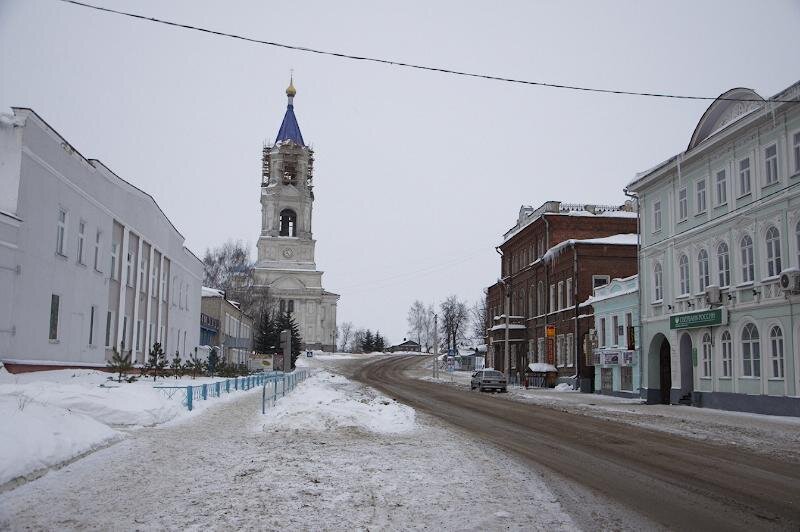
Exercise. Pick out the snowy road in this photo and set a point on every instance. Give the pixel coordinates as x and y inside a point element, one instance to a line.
<point>224,469</point>
<point>631,477</point>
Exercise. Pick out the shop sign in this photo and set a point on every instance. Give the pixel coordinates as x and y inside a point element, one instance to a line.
<point>703,318</point>
<point>613,357</point>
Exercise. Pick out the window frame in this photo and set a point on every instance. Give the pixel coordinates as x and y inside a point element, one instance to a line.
<point>708,359</point>
<point>684,275</point>
<point>98,244</point>
<point>795,136</point>
<point>771,165</point>
<point>606,278</point>
<point>657,221</point>
<point>745,174</point>
<point>751,351</point>
<point>658,282</point>
<point>54,329</point>
<point>724,265</point>
<point>773,245</point>
<point>683,204</point>
<point>701,197</point>
<point>61,232</point>
<point>568,288</point>
<point>703,270</point>
<point>114,261</point>
<point>777,353</point>
<point>747,259</point>
<point>726,342</point>
<point>721,187</point>
<point>79,252</point>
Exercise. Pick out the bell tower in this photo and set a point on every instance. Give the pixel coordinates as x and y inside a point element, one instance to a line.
<point>286,269</point>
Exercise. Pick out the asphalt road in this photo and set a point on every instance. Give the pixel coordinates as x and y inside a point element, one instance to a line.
<point>616,475</point>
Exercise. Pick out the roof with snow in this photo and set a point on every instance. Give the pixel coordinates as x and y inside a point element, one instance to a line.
<point>528,214</point>
<point>211,292</point>
<point>540,367</point>
<point>627,239</point>
<point>290,130</point>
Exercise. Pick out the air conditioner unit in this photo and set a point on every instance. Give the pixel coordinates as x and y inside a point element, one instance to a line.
<point>790,280</point>
<point>713,295</point>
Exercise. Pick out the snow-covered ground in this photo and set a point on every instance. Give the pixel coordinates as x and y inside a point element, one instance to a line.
<point>51,417</point>
<point>333,454</point>
<point>768,435</point>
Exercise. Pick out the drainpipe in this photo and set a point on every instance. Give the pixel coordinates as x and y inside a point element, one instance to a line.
<point>635,197</point>
<point>575,336</point>
<point>506,311</point>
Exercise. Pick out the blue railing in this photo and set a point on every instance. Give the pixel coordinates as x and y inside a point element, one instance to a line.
<point>280,386</point>
<point>201,392</point>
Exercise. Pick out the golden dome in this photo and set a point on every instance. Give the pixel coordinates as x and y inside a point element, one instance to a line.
<point>290,90</point>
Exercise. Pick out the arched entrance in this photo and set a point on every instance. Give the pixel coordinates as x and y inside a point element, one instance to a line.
<point>661,368</point>
<point>687,369</point>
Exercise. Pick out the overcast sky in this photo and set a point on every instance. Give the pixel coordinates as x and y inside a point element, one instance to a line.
<point>417,174</point>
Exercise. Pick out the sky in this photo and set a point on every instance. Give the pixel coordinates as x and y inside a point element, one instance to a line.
<point>417,174</point>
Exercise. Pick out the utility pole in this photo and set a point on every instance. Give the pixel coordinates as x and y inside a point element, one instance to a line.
<point>435,346</point>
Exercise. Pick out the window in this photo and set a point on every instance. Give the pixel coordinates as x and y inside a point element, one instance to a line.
<point>724,264</point>
<point>138,342</point>
<point>97,239</point>
<point>560,295</point>
<point>796,151</point>
<point>61,229</point>
<point>656,216</point>
<point>164,294</point>
<point>55,302</point>
<point>602,332</point>
<point>707,359</point>
<point>560,350</point>
<point>701,196</point>
<point>722,188</point>
<point>727,354</point>
<point>797,239</point>
<point>776,351</point>
<point>658,286</point>
<point>142,274</point>
<point>751,351</point>
<point>92,312</point>
<point>744,176</point>
<point>288,223</point>
<point>552,298</point>
<point>615,330</point>
<point>125,342</point>
<point>114,254</point>
<point>748,269</point>
<point>702,265</point>
<point>771,164</point>
<point>110,322</point>
<point>683,267</point>
<point>540,350</point>
<point>130,274</point>
<point>540,298</point>
<point>154,280</point>
<point>599,280</point>
<point>626,378</point>
<point>290,307</point>
<point>773,252</point>
<point>570,350</point>
<point>629,332</point>
<point>569,292</point>
<point>683,204</point>
<point>81,240</point>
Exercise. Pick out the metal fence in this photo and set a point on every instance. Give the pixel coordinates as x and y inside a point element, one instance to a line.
<point>279,387</point>
<point>201,392</point>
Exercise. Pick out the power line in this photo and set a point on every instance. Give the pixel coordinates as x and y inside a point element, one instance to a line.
<point>412,65</point>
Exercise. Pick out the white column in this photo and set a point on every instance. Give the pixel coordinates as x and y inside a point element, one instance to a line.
<point>159,296</point>
<point>123,283</point>
<point>136,288</point>
<point>148,295</point>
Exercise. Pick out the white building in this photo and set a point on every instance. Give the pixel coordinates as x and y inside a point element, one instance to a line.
<point>285,269</point>
<point>720,234</point>
<point>88,262</point>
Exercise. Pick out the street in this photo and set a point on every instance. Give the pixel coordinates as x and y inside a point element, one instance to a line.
<point>616,475</point>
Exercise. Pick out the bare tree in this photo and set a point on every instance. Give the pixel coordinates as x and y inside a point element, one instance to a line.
<point>358,341</point>
<point>479,317</point>
<point>416,320</point>
<point>428,324</point>
<point>345,334</point>
<point>454,319</point>
<point>230,268</point>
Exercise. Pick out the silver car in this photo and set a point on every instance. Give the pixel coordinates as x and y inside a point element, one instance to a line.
<point>488,379</point>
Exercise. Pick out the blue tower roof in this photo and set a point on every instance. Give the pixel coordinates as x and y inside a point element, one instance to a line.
<point>290,130</point>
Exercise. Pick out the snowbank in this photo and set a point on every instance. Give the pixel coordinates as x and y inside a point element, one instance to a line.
<point>328,402</point>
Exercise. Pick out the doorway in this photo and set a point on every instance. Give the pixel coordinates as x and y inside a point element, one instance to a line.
<point>687,369</point>
<point>665,371</point>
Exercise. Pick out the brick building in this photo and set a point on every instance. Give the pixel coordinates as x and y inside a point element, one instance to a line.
<point>552,259</point>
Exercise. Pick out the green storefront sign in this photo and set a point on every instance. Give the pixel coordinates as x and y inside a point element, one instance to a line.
<point>703,318</point>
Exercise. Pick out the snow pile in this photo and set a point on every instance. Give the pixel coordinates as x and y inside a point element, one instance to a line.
<point>328,402</point>
<point>563,387</point>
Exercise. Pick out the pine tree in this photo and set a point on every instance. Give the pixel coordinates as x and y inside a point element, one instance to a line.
<point>213,361</point>
<point>176,365</point>
<point>380,343</point>
<point>156,360</point>
<point>120,364</point>
<point>287,322</point>
<point>368,346</point>
<point>267,335</point>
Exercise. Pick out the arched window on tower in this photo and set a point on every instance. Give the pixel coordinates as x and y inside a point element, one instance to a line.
<point>288,223</point>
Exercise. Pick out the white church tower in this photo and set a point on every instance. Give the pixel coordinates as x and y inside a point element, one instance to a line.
<point>285,268</point>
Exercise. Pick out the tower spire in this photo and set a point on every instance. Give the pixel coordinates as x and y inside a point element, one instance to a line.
<point>290,130</point>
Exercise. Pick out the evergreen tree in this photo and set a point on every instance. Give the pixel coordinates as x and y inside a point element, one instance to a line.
<point>213,361</point>
<point>176,366</point>
<point>380,343</point>
<point>267,335</point>
<point>368,344</point>
<point>195,365</point>
<point>120,364</point>
<point>287,322</point>
<point>156,360</point>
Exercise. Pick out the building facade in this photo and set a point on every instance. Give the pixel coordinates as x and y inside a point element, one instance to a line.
<point>615,338</point>
<point>286,270</point>
<point>720,223</point>
<point>233,333</point>
<point>552,259</point>
<point>88,262</point>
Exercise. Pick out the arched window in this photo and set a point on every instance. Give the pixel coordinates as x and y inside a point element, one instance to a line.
<point>724,264</point>
<point>658,282</point>
<point>531,302</point>
<point>540,302</point>
<point>702,266</point>
<point>776,351</point>
<point>773,252</point>
<point>751,351</point>
<point>707,360</point>
<point>748,271</point>
<point>288,223</point>
<point>683,267</point>
<point>727,354</point>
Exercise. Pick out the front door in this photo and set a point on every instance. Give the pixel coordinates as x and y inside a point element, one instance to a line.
<point>665,371</point>
<point>607,380</point>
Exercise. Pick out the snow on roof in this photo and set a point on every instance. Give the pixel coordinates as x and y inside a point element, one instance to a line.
<point>528,214</point>
<point>542,367</point>
<point>626,239</point>
<point>510,326</point>
<point>595,299</point>
<point>211,292</point>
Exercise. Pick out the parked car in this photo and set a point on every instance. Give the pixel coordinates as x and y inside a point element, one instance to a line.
<point>488,379</point>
